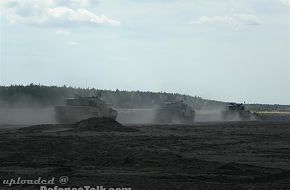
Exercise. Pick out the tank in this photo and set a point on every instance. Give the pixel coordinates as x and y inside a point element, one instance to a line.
<point>80,108</point>
<point>234,111</point>
<point>174,112</point>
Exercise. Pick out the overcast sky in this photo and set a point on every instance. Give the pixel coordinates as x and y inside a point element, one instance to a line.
<point>230,50</point>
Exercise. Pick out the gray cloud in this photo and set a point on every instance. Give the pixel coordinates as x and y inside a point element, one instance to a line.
<point>49,12</point>
<point>235,20</point>
<point>285,2</point>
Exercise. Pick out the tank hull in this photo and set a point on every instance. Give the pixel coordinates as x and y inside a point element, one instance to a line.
<point>236,111</point>
<point>236,115</point>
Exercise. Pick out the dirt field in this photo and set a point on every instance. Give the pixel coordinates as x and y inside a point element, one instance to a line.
<point>232,155</point>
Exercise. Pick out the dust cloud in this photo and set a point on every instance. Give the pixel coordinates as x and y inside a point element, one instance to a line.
<point>26,116</point>
<point>136,116</point>
<point>148,116</point>
<point>215,115</point>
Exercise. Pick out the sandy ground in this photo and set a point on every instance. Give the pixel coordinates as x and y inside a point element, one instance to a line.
<point>232,155</point>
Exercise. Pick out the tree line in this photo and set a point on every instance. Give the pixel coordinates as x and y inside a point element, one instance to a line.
<point>45,96</point>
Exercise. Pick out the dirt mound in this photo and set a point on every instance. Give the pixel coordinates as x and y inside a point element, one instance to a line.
<point>46,128</point>
<point>102,125</point>
<point>92,124</point>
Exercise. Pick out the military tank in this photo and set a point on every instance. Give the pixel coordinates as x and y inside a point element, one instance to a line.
<point>235,111</point>
<point>174,112</point>
<point>80,108</point>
